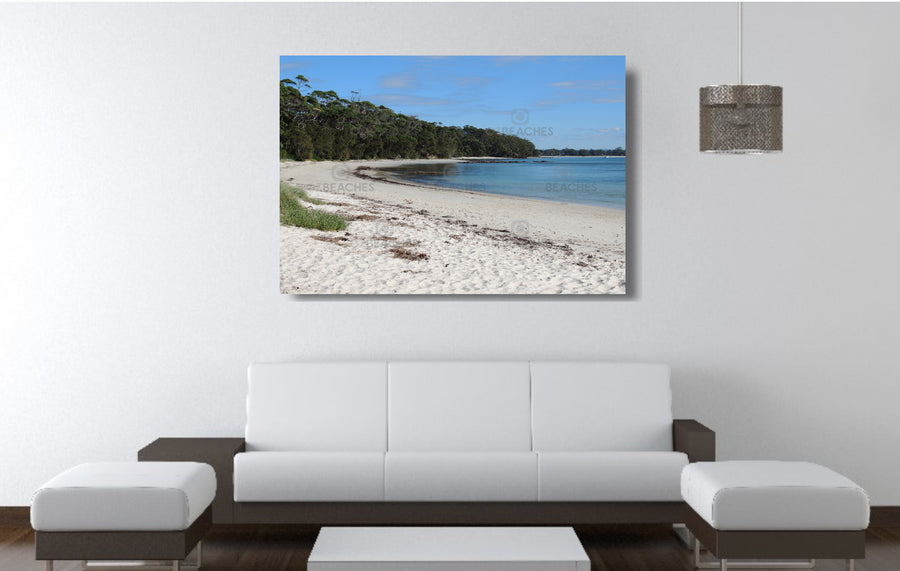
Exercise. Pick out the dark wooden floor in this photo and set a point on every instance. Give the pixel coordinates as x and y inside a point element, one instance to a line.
<point>270,548</point>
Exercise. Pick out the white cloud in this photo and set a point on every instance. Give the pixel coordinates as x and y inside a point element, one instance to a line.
<point>583,132</point>
<point>550,102</point>
<point>589,84</point>
<point>472,81</point>
<point>400,99</point>
<point>399,81</point>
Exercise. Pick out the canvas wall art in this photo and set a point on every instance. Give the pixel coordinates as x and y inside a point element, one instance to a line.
<point>452,175</point>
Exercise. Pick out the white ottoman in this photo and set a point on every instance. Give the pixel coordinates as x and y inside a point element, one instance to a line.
<point>123,510</point>
<point>763,509</point>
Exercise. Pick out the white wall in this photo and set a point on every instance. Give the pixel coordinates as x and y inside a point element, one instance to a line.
<point>139,235</point>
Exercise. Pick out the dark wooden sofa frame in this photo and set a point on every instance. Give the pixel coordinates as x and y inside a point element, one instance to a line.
<point>688,436</point>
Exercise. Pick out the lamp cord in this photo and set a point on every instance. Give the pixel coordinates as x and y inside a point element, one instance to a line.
<point>740,43</point>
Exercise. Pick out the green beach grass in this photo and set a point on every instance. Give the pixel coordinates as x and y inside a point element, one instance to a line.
<point>299,194</point>
<point>294,214</point>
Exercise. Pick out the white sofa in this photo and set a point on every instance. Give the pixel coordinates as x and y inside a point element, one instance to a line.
<point>462,442</point>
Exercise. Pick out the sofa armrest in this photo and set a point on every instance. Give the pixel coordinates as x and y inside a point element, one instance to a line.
<point>217,452</point>
<point>694,439</point>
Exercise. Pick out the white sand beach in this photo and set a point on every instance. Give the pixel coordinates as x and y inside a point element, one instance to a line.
<point>409,239</point>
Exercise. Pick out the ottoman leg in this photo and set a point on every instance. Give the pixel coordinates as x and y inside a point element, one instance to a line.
<point>851,564</point>
<point>722,564</point>
<point>48,565</point>
<point>176,565</point>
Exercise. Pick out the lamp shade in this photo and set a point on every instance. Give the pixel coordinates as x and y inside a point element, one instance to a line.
<point>740,119</point>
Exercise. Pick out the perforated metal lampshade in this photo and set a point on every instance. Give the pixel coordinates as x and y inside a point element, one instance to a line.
<point>740,119</point>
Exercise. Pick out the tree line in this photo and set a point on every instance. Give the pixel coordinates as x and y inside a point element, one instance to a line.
<point>617,152</point>
<point>319,125</point>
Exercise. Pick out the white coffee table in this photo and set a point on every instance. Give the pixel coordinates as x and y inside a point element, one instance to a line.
<point>448,549</point>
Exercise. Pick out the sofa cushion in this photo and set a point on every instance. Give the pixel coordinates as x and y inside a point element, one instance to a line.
<point>596,407</point>
<point>124,496</point>
<point>308,476</point>
<point>327,407</point>
<point>460,476</point>
<point>772,495</point>
<point>610,476</point>
<point>459,407</point>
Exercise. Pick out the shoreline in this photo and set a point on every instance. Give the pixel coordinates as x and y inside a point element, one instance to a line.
<point>408,238</point>
<point>399,162</point>
<point>398,181</point>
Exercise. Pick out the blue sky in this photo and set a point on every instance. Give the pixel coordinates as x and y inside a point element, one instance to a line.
<point>555,102</point>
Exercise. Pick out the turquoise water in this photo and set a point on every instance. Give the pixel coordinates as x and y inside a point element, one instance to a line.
<point>597,181</point>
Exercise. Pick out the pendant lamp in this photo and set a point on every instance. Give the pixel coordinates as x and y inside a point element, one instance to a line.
<point>740,118</point>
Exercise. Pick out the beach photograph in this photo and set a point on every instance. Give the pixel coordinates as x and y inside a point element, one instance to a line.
<point>452,175</point>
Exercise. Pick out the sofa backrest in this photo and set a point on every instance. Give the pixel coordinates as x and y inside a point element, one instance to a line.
<point>596,406</point>
<point>334,406</point>
<point>460,406</point>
